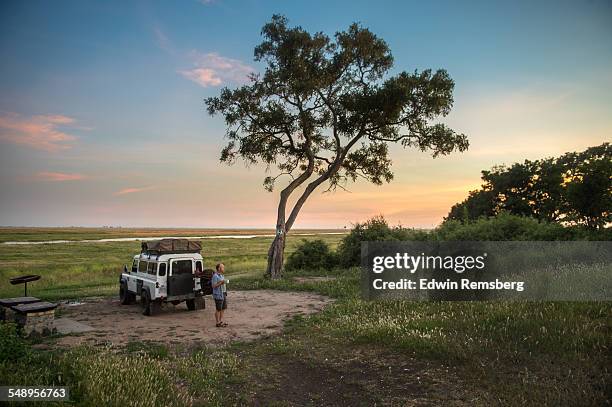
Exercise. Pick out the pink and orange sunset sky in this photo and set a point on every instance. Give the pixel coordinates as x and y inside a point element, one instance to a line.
<point>102,120</point>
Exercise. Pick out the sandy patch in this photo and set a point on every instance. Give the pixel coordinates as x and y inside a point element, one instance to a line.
<point>250,314</point>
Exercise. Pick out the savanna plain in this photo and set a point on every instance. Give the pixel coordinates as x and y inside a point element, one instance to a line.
<point>352,352</point>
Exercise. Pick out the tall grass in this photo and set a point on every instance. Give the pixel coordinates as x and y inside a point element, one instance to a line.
<point>111,376</point>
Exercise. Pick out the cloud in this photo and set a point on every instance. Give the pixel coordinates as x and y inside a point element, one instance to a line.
<point>59,176</point>
<point>126,191</point>
<point>39,132</point>
<point>212,69</point>
<point>203,76</point>
<point>162,40</point>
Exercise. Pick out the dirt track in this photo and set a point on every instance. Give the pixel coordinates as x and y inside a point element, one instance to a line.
<point>250,314</point>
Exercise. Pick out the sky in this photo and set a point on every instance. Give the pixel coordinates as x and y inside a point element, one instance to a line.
<point>102,119</point>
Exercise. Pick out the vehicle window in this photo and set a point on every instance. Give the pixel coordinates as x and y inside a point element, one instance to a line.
<point>135,266</point>
<point>152,267</point>
<point>162,269</point>
<point>142,266</point>
<point>181,267</point>
<point>199,266</point>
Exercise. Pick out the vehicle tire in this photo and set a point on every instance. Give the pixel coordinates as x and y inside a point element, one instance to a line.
<point>125,296</point>
<point>191,305</point>
<point>145,301</point>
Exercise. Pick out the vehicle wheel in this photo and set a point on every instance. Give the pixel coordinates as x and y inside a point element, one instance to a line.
<point>125,296</point>
<point>191,305</point>
<point>145,301</point>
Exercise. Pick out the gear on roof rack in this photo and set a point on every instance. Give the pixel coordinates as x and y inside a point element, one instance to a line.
<point>169,246</point>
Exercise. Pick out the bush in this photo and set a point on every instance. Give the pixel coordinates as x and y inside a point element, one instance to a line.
<point>12,345</point>
<point>311,254</point>
<point>373,230</point>
<point>504,226</point>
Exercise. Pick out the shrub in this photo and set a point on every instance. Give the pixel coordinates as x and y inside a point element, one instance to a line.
<point>12,345</point>
<point>311,254</point>
<point>373,230</point>
<point>504,226</point>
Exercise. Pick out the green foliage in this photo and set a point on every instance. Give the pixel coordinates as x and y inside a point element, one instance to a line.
<point>311,255</point>
<point>328,107</point>
<point>575,188</point>
<point>504,226</point>
<point>372,230</point>
<point>589,190</point>
<point>479,203</point>
<point>12,345</point>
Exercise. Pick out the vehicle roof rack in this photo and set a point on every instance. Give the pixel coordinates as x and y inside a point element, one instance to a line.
<point>171,246</point>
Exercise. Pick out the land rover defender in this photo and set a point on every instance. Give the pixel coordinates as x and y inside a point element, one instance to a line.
<point>166,271</point>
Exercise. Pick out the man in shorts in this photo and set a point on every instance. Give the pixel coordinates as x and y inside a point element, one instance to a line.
<point>219,294</point>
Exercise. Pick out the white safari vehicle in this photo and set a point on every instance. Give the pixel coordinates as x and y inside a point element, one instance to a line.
<point>167,270</point>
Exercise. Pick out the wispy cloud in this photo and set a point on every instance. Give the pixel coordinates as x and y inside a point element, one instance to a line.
<point>126,191</point>
<point>162,40</point>
<point>39,132</point>
<point>59,176</point>
<point>212,69</point>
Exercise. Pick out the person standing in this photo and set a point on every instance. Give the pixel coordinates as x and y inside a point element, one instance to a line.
<point>219,294</point>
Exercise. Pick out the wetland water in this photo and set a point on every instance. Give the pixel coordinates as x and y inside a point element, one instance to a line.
<point>135,239</point>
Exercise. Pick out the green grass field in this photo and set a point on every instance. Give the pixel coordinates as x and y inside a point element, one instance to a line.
<point>74,270</point>
<point>355,352</point>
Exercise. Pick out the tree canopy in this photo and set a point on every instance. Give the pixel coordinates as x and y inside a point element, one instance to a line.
<point>575,188</point>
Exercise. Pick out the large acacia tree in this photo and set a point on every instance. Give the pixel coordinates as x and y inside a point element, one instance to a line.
<point>324,112</point>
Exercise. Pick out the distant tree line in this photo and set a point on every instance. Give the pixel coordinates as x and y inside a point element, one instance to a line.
<point>316,254</point>
<point>573,189</point>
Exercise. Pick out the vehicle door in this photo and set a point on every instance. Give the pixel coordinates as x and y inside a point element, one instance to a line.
<point>180,280</point>
<point>131,280</point>
<point>162,280</point>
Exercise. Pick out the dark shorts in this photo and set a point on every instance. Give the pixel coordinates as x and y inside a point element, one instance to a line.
<point>221,304</point>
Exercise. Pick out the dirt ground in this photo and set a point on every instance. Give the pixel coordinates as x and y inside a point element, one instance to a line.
<point>250,315</point>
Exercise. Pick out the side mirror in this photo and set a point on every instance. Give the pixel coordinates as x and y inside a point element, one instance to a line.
<point>125,269</point>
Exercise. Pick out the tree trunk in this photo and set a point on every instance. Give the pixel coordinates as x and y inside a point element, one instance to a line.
<point>276,253</point>
<point>276,256</point>
<point>277,248</point>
